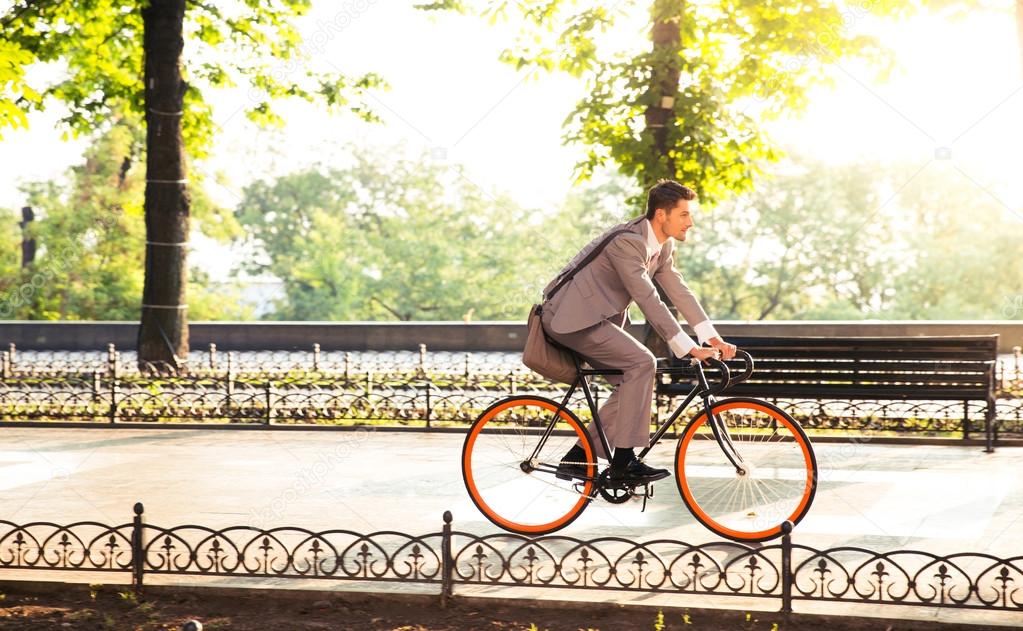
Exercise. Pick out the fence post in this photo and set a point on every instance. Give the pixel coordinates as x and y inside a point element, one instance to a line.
<point>786,567</point>
<point>422,358</point>
<point>7,365</point>
<point>11,353</point>
<point>213,357</point>
<point>269,403</point>
<point>511,383</point>
<point>138,554</point>
<point>112,412</point>
<point>429,405</point>
<point>467,366</point>
<point>447,588</point>
<point>316,358</point>
<point>1017,353</point>
<point>112,360</point>
<point>348,366</point>
<point>230,383</point>
<point>95,393</point>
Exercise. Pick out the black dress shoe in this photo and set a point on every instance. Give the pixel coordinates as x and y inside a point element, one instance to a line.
<point>636,471</point>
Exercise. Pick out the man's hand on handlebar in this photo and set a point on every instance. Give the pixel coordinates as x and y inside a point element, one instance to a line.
<point>704,354</point>
<point>727,350</point>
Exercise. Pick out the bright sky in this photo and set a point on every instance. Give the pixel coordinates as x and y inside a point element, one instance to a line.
<point>954,103</point>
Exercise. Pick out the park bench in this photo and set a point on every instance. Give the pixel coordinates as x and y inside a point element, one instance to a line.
<point>941,369</point>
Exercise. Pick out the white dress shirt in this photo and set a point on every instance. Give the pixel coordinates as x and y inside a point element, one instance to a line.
<point>681,344</point>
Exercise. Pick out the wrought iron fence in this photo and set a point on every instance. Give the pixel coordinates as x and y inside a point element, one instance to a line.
<point>471,368</point>
<point>416,401</point>
<point>784,571</point>
<point>419,389</point>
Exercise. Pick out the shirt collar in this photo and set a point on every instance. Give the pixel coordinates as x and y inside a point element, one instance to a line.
<point>652,245</point>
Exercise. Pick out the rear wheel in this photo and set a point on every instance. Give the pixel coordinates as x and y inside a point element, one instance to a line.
<point>515,489</point>
<point>776,479</point>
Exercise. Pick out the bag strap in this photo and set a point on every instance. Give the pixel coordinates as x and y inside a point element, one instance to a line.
<point>594,253</point>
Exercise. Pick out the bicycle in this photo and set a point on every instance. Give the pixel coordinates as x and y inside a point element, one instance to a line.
<point>768,473</point>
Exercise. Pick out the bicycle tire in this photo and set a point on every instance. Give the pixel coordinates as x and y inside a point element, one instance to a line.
<point>778,481</point>
<point>499,441</point>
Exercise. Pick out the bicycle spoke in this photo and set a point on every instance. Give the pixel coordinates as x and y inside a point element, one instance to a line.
<point>775,480</point>
<point>526,499</point>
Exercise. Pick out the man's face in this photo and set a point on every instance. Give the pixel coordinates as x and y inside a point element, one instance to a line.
<point>678,220</point>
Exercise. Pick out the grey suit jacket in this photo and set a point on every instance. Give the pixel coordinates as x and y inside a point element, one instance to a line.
<point>619,275</point>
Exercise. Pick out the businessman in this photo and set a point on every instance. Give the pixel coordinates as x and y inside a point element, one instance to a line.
<point>589,315</point>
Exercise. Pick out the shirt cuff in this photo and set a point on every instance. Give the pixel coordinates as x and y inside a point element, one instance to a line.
<point>681,344</point>
<point>705,331</point>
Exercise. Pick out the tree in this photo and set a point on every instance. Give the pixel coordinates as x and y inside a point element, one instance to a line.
<point>14,91</point>
<point>390,239</point>
<point>127,57</point>
<point>966,247</point>
<point>856,241</point>
<point>90,231</point>
<point>689,106</point>
<point>10,257</point>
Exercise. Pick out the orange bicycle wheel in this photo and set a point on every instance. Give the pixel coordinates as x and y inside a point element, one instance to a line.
<point>511,486</point>
<point>776,479</point>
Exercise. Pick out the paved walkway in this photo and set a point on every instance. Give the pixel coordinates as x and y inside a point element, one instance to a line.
<point>934,498</point>
<point>941,499</point>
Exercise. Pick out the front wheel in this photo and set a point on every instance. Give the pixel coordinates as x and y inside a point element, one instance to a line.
<point>512,483</point>
<point>776,476</point>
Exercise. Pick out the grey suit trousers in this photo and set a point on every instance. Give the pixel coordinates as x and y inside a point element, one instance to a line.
<point>608,346</point>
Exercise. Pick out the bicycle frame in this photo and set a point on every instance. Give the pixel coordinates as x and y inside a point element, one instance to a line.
<point>702,390</point>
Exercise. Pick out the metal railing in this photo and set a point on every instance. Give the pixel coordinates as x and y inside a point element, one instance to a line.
<point>345,389</point>
<point>348,365</point>
<point>785,572</point>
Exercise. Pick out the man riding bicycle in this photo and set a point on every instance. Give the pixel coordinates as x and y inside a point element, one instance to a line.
<point>589,315</point>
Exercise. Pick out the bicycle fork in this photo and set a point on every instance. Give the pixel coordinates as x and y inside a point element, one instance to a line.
<point>720,430</point>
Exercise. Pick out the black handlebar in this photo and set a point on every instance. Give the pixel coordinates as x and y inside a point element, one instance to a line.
<point>726,376</point>
<point>746,357</point>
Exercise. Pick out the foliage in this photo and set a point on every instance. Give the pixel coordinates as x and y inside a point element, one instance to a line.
<point>382,240</point>
<point>247,44</point>
<point>391,239</point>
<point>14,91</point>
<point>967,247</point>
<point>856,241</point>
<point>10,250</point>
<point>717,68</point>
<point>90,234</point>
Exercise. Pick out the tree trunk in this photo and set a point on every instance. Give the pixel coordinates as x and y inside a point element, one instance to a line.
<point>660,112</point>
<point>660,115</point>
<point>28,244</point>
<point>163,330</point>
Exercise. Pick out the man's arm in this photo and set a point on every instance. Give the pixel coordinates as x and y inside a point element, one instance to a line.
<point>628,257</point>
<point>688,305</point>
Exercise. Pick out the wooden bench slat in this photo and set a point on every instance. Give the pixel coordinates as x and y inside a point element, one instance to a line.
<point>889,368</point>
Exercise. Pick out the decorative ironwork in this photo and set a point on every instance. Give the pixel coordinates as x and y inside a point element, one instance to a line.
<point>368,388</point>
<point>909,577</point>
<point>475,367</point>
<point>785,571</point>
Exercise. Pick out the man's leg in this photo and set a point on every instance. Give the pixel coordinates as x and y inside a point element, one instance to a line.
<point>625,416</point>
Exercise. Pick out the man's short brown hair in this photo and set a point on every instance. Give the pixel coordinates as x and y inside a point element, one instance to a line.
<point>665,194</point>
